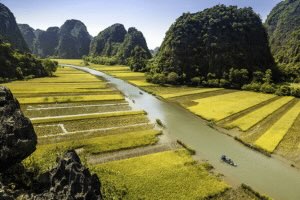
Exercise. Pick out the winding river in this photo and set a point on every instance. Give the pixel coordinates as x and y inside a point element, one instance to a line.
<point>266,175</point>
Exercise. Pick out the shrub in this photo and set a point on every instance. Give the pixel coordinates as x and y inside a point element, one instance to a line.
<point>283,91</point>
<point>295,92</point>
<point>254,86</point>
<point>196,81</point>
<point>224,83</point>
<point>267,88</point>
<point>172,78</point>
<point>159,78</point>
<point>213,82</point>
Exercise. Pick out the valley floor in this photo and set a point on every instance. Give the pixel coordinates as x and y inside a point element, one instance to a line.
<point>75,110</point>
<point>265,122</point>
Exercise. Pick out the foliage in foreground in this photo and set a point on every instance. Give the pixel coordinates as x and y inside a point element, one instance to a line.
<point>17,65</point>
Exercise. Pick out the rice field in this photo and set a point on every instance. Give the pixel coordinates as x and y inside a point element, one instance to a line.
<point>42,120</point>
<point>219,107</point>
<point>252,113</point>
<point>272,137</point>
<point>75,110</point>
<point>64,99</point>
<point>174,171</point>
<point>249,120</point>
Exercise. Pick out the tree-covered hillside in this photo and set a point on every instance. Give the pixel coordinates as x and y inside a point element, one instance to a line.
<point>15,60</point>
<point>213,44</point>
<point>18,65</point>
<point>108,41</point>
<point>115,45</point>
<point>283,26</point>
<point>9,30</point>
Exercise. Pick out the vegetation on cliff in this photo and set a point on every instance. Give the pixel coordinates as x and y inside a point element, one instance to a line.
<point>221,46</point>
<point>115,45</point>
<point>283,26</point>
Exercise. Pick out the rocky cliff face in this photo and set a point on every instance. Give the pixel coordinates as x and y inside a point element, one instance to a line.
<point>28,35</point>
<point>71,40</point>
<point>107,42</point>
<point>9,31</point>
<point>46,42</point>
<point>69,180</point>
<point>17,137</point>
<point>74,40</point>
<point>116,42</point>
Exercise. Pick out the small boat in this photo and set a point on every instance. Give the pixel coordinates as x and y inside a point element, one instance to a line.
<point>228,161</point>
<point>141,93</point>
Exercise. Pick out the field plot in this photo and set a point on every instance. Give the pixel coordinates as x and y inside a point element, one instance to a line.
<point>30,111</point>
<point>219,107</point>
<point>249,120</point>
<point>174,171</point>
<point>64,99</point>
<point>270,139</point>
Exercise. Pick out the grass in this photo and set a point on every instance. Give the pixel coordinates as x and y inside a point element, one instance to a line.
<point>247,121</point>
<point>272,137</point>
<point>64,99</point>
<point>45,155</point>
<point>218,107</point>
<point>165,175</point>
<point>57,119</point>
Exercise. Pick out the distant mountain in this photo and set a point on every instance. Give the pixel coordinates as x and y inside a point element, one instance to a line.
<point>283,26</point>
<point>46,42</point>
<point>154,51</point>
<point>9,30</point>
<point>211,42</point>
<point>115,45</point>
<point>108,41</point>
<point>71,40</point>
<point>74,40</point>
<point>28,35</point>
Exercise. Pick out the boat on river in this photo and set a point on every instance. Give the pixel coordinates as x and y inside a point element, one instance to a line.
<point>228,161</point>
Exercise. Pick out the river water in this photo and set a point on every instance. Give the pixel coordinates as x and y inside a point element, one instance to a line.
<point>266,175</point>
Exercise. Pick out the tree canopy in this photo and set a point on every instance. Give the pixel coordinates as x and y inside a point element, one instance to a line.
<point>214,41</point>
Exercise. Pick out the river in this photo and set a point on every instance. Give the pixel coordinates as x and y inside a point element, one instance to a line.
<point>266,175</point>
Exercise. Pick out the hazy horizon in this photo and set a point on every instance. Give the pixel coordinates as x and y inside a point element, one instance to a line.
<point>153,17</point>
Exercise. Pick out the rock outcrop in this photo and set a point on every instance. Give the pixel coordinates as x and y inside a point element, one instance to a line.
<point>17,136</point>
<point>74,40</point>
<point>9,30</point>
<point>116,41</point>
<point>69,180</point>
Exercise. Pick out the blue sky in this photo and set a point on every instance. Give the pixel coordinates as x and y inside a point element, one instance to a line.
<point>152,17</point>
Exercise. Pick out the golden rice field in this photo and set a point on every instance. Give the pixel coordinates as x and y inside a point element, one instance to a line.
<point>254,114</point>
<point>272,137</point>
<point>187,179</point>
<point>219,107</point>
<point>42,120</point>
<point>64,99</point>
<point>249,120</point>
<point>74,110</point>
